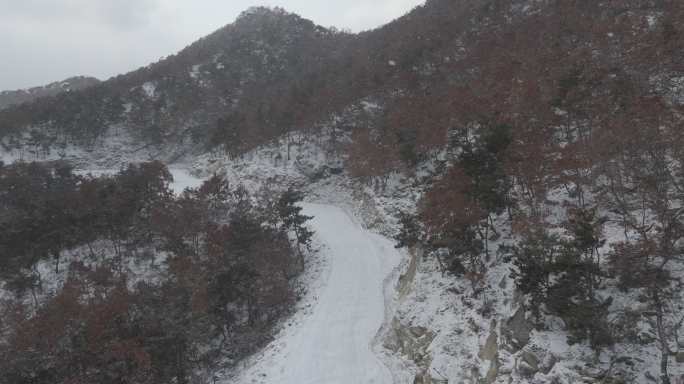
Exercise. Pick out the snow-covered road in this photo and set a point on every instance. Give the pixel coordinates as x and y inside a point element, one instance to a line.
<point>333,343</point>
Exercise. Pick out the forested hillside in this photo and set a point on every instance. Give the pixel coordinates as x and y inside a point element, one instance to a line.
<point>265,56</point>
<point>114,279</point>
<point>535,149</point>
<point>452,62</point>
<point>10,98</point>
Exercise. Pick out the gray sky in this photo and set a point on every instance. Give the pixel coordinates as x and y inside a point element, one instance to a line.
<point>48,40</point>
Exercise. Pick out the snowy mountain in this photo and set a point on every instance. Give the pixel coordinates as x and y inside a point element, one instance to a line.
<point>178,103</point>
<point>525,156</point>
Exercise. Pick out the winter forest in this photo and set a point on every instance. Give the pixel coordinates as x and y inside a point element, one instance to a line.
<point>480,191</point>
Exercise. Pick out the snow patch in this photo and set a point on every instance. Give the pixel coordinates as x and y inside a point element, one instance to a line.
<point>150,89</point>
<point>195,72</point>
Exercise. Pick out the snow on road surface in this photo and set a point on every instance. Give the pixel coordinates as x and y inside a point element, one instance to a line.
<point>333,343</point>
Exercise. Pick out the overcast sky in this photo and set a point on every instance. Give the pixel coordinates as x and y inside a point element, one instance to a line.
<point>48,40</point>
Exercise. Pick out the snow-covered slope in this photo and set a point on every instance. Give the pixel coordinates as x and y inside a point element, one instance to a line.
<point>333,343</point>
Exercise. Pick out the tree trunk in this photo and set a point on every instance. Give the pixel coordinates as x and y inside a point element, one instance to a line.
<point>181,375</point>
<point>664,347</point>
<point>56,255</point>
<point>441,263</point>
<point>486,239</point>
<point>90,248</point>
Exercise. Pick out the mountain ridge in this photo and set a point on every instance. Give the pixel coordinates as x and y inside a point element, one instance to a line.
<point>75,83</point>
<point>272,71</point>
<point>194,88</point>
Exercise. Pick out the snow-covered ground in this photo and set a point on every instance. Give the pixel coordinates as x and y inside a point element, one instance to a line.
<point>427,327</point>
<point>333,342</point>
<point>182,178</point>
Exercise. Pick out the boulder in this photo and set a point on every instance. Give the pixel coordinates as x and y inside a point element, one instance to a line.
<point>548,364</point>
<point>412,342</point>
<point>490,352</point>
<point>528,364</point>
<point>517,330</point>
<point>526,370</point>
<point>679,357</point>
<point>531,359</point>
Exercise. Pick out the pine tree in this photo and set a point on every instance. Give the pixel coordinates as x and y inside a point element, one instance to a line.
<point>290,213</point>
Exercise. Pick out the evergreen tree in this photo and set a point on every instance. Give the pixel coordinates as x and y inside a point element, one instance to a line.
<point>290,213</point>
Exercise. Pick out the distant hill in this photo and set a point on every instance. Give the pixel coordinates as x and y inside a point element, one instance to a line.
<point>253,67</point>
<point>77,83</point>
